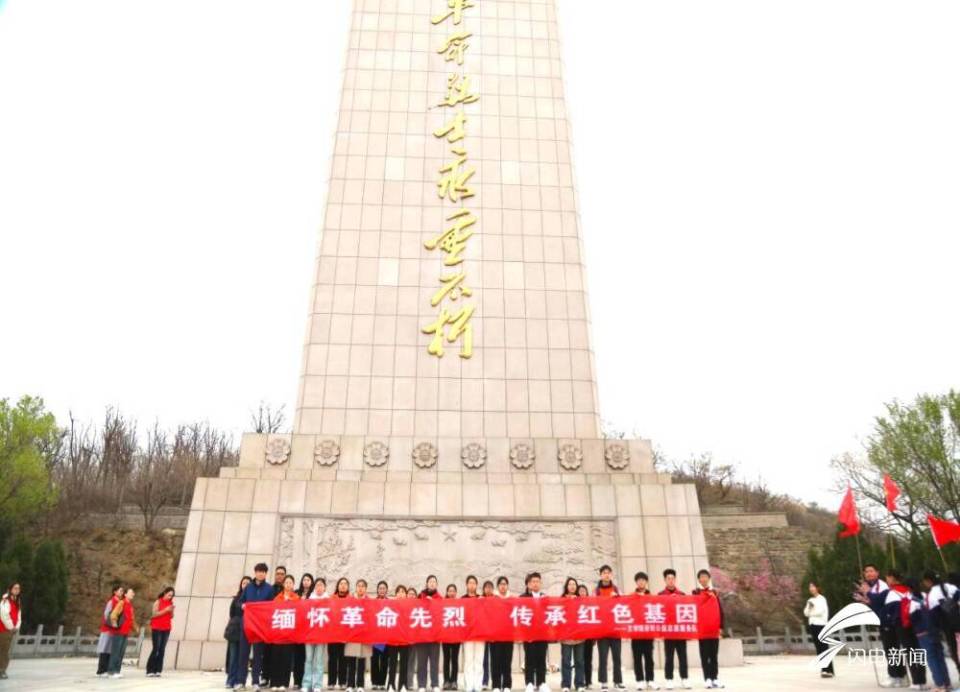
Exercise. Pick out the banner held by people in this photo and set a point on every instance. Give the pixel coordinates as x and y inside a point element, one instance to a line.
<point>413,621</point>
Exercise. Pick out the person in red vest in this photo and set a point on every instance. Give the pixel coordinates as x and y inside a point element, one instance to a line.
<point>122,623</point>
<point>607,589</point>
<point>11,615</point>
<point>673,646</point>
<point>103,644</point>
<point>281,658</point>
<point>161,621</point>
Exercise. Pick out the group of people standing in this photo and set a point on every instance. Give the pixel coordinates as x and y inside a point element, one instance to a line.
<point>487,665</point>
<point>119,620</point>
<point>915,614</point>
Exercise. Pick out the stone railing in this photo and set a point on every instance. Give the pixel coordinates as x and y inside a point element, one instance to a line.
<point>60,644</point>
<point>798,641</point>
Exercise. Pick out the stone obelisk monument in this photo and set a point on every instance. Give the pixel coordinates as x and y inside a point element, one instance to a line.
<point>447,418</point>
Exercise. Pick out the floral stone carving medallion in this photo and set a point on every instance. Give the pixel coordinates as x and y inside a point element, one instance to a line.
<point>570,456</point>
<point>522,455</point>
<point>425,455</point>
<point>376,453</point>
<point>278,450</point>
<point>474,455</point>
<point>617,455</point>
<point>327,453</point>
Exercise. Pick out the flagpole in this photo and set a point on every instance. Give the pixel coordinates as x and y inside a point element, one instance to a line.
<point>893,552</point>
<point>942,558</point>
<point>859,558</point>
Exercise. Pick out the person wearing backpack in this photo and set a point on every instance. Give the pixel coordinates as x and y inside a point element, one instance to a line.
<point>122,623</point>
<point>103,644</point>
<point>941,599</point>
<point>895,615</point>
<point>233,633</point>
<point>924,625</point>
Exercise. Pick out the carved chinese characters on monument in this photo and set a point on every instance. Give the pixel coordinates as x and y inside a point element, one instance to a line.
<point>452,323</point>
<point>333,547</point>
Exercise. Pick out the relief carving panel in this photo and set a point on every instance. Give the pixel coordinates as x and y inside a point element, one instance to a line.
<point>406,551</point>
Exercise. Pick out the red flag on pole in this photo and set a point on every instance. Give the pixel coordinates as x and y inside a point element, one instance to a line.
<point>848,516</point>
<point>891,492</point>
<point>943,531</point>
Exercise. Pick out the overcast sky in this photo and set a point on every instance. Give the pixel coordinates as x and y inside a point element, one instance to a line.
<point>769,193</point>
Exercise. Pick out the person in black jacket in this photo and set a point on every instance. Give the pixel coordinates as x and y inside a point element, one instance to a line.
<point>534,653</point>
<point>233,634</point>
<point>895,616</point>
<point>709,648</point>
<point>642,648</point>
<point>943,600</point>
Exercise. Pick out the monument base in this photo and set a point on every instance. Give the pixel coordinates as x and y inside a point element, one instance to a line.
<point>402,508</point>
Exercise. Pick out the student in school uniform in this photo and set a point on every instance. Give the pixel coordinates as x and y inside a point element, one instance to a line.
<point>942,599</point>
<point>927,633</point>
<point>607,589</point>
<point>873,591</point>
<point>709,648</point>
<point>674,648</point>
<point>534,653</point>
<point>642,648</point>
<point>896,614</point>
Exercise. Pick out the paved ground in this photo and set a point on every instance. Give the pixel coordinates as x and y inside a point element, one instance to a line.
<point>774,673</point>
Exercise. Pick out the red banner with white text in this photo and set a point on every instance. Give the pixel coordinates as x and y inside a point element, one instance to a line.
<point>412,621</point>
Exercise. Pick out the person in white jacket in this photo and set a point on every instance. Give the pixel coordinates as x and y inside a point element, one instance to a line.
<point>817,612</point>
<point>11,615</point>
<point>314,653</point>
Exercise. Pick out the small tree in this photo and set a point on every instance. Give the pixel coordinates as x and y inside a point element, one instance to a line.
<point>267,419</point>
<point>918,445</point>
<point>49,589</point>
<point>26,430</point>
<point>152,485</point>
